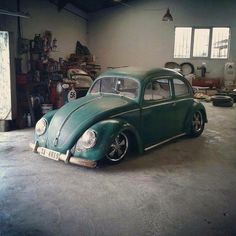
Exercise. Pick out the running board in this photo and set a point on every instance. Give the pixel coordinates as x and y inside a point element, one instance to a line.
<point>165,141</point>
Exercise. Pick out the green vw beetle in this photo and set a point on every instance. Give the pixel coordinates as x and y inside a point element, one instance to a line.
<point>145,107</point>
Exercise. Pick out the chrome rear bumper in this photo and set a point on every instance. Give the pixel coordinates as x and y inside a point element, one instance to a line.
<point>67,158</point>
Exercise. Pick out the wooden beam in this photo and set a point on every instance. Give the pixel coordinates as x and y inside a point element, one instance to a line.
<point>61,4</point>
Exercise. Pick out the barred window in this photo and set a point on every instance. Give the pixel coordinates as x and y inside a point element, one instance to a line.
<point>201,42</point>
<point>220,43</point>
<point>182,42</point>
<point>205,42</point>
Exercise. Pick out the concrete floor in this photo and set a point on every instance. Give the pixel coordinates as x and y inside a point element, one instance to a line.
<point>187,187</point>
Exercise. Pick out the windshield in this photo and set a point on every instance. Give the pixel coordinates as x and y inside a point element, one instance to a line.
<point>122,86</point>
<point>84,81</point>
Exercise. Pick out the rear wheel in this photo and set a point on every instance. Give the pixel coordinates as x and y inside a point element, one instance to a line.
<point>197,124</point>
<point>118,148</point>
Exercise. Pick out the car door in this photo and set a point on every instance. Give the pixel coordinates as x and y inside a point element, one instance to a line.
<point>183,102</point>
<point>157,111</point>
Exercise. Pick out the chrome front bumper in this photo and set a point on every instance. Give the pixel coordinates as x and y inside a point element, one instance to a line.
<point>67,158</point>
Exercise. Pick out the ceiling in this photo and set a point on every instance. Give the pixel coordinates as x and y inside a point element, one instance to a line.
<point>90,6</point>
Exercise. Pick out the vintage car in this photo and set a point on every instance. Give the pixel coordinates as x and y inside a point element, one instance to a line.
<point>145,107</point>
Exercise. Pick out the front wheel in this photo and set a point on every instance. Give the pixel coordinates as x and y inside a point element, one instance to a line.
<point>118,148</point>
<point>197,124</point>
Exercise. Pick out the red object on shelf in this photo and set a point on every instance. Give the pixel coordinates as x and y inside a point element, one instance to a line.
<point>206,82</point>
<point>53,92</point>
<point>21,79</point>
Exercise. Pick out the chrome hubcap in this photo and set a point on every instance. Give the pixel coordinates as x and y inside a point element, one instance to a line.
<point>118,148</point>
<point>197,121</point>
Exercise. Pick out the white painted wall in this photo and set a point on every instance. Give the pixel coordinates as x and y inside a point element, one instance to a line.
<point>126,36</point>
<point>66,27</point>
<point>137,37</point>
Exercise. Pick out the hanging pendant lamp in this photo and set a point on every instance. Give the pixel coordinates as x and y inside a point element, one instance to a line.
<point>167,16</point>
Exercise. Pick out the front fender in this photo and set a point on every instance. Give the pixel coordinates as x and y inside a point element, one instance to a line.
<point>42,139</point>
<point>197,106</point>
<point>106,132</point>
<point>48,116</point>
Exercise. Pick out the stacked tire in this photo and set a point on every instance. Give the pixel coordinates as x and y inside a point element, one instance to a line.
<point>222,101</point>
<point>233,96</point>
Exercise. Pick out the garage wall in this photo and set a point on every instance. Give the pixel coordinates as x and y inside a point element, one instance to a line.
<point>134,36</point>
<point>66,27</point>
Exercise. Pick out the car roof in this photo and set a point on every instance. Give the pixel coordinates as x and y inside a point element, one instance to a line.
<point>139,72</point>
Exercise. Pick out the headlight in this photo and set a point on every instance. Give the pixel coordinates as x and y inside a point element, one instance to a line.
<point>87,140</point>
<point>41,127</point>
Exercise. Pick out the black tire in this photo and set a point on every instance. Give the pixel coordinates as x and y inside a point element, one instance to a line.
<point>172,65</point>
<point>233,96</point>
<point>197,124</point>
<point>222,101</point>
<point>221,94</point>
<point>221,98</point>
<point>223,104</point>
<point>118,149</point>
<point>187,68</point>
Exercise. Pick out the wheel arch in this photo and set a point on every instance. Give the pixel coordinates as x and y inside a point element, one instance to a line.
<point>197,106</point>
<point>49,115</point>
<point>204,115</point>
<point>109,129</point>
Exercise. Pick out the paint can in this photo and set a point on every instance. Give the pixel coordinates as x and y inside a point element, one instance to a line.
<point>4,125</point>
<point>46,108</point>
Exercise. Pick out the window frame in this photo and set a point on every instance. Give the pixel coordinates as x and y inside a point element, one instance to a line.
<point>209,45</point>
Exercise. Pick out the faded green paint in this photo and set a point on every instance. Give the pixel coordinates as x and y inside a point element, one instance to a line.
<point>108,114</point>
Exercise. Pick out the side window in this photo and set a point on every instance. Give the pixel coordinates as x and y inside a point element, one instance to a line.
<point>148,92</point>
<point>96,87</point>
<point>158,89</point>
<point>181,89</point>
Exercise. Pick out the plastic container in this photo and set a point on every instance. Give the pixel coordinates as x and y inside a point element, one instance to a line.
<point>229,72</point>
<point>46,108</point>
<point>4,125</point>
<point>29,123</point>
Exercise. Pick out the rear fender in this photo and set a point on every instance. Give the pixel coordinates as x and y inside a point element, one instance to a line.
<point>197,106</point>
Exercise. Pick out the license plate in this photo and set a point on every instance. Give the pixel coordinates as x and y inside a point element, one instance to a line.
<point>49,154</point>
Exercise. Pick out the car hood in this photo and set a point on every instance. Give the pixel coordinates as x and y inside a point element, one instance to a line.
<point>74,118</point>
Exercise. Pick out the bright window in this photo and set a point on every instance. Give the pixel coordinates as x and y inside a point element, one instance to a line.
<point>206,42</point>
<point>182,42</point>
<point>201,42</point>
<point>220,43</point>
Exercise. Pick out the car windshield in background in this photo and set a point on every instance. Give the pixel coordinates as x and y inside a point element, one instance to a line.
<point>122,86</point>
<point>84,81</point>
